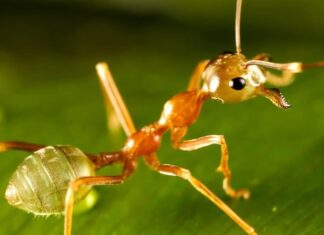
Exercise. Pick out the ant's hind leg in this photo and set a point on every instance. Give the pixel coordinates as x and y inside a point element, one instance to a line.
<point>91,181</point>
<point>195,79</point>
<point>190,145</point>
<point>99,160</point>
<point>185,174</point>
<point>74,186</point>
<point>117,113</point>
<point>17,145</point>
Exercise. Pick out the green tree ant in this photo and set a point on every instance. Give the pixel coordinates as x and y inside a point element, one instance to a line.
<point>52,178</point>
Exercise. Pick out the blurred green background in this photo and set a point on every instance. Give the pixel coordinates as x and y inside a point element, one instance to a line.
<point>49,94</point>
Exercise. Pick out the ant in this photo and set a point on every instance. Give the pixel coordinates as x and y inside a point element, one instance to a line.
<point>52,178</point>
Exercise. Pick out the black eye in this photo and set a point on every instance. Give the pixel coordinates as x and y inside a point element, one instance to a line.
<point>237,83</point>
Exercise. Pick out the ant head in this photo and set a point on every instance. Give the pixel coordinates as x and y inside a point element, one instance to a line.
<point>230,78</point>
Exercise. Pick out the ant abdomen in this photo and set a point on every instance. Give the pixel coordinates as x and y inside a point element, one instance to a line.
<point>40,183</point>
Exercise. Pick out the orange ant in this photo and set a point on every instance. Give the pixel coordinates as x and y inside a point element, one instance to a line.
<point>54,177</point>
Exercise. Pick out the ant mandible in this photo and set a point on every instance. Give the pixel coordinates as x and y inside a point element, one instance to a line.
<point>54,177</point>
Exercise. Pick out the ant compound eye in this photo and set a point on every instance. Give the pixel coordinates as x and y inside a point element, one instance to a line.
<point>237,83</point>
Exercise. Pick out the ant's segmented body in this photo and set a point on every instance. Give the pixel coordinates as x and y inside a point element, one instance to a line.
<point>51,179</point>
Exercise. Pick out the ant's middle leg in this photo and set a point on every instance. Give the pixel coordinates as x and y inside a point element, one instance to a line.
<point>117,112</point>
<point>185,174</point>
<point>74,186</point>
<point>190,145</point>
<point>17,145</point>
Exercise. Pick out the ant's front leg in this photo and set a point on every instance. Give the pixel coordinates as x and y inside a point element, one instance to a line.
<point>189,145</point>
<point>195,79</point>
<point>263,57</point>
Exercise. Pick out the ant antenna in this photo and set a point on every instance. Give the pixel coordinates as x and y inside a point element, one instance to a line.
<point>237,26</point>
<point>294,67</point>
<point>314,65</point>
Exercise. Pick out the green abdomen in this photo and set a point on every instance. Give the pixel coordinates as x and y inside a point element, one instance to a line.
<point>40,182</point>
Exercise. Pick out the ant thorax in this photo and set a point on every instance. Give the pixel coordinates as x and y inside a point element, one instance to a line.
<point>227,78</point>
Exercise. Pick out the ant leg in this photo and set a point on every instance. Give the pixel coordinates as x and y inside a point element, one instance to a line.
<point>190,145</point>
<point>17,145</point>
<point>91,181</point>
<point>74,186</point>
<point>117,113</point>
<point>262,56</point>
<point>99,160</point>
<point>196,76</point>
<point>185,174</point>
<point>285,79</point>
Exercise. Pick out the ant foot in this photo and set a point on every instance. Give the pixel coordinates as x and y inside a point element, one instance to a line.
<point>219,169</point>
<point>234,193</point>
<point>244,193</point>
